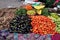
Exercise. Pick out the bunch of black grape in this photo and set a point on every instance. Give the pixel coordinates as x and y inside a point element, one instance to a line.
<point>21,24</point>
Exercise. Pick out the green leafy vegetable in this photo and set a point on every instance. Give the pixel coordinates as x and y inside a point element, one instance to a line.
<point>45,12</point>
<point>21,11</point>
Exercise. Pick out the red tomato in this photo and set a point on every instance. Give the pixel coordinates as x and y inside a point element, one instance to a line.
<point>42,25</point>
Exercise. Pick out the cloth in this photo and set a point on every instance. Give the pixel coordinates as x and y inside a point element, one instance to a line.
<point>57,0</point>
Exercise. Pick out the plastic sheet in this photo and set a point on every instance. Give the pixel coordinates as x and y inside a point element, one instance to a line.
<point>5,35</point>
<point>56,37</point>
<point>33,36</point>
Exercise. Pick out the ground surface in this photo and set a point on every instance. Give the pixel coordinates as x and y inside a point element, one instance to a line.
<point>6,3</point>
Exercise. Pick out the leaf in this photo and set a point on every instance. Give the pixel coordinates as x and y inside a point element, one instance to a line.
<point>45,12</point>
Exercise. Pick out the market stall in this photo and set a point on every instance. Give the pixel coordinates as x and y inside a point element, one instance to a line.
<point>30,21</point>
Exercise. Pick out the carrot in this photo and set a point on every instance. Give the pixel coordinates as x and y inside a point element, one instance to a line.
<point>28,7</point>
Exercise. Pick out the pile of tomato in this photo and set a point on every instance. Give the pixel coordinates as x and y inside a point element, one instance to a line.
<point>42,25</point>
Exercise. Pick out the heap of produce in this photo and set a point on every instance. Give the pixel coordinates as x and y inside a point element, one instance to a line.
<point>21,24</point>
<point>28,7</point>
<point>31,12</point>
<point>43,25</point>
<point>45,12</point>
<point>21,11</point>
<point>56,19</point>
<point>6,15</point>
<point>34,9</point>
